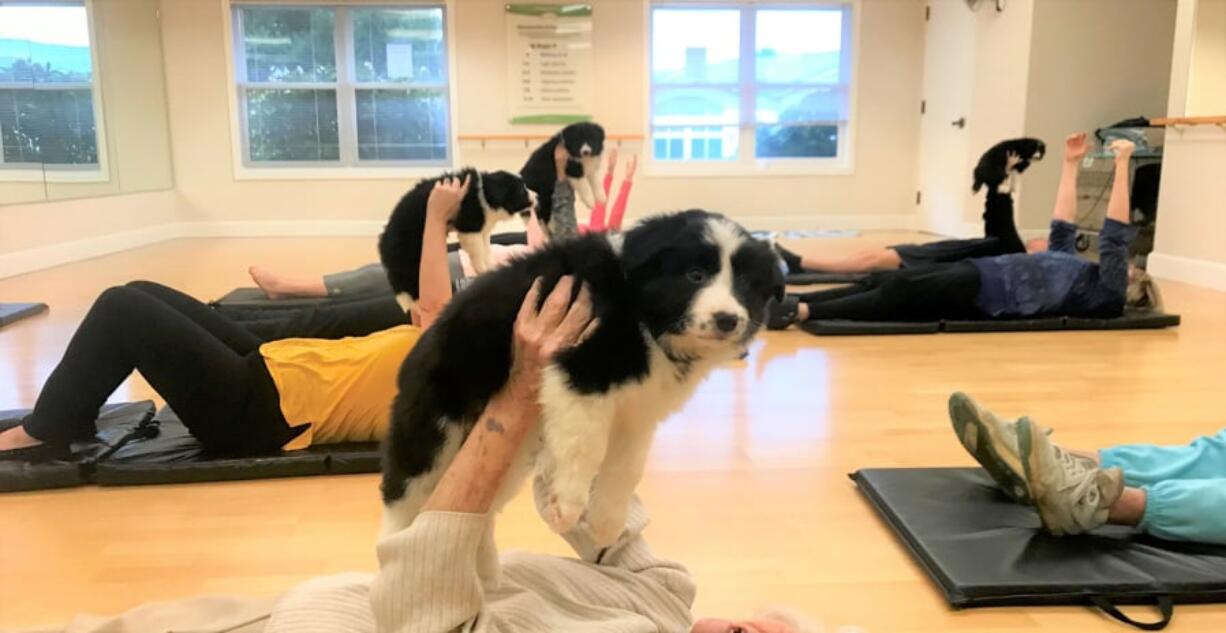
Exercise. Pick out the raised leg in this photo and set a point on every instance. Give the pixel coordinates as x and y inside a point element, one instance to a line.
<point>618,477</point>
<point>575,429</point>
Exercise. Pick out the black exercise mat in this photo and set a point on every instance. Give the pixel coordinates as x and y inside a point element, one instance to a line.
<point>115,422</point>
<point>136,446</point>
<point>808,279</point>
<point>1130,321</point>
<point>13,312</point>
<point>981,549</point>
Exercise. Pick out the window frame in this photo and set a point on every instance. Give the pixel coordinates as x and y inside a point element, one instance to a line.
<point>746,164</point>
<point>63,173</point>
<point>348,166</point>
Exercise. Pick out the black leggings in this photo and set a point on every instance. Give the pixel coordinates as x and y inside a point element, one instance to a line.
<point>927,293</point>
<point>208,368</point>
<point>332,319</point>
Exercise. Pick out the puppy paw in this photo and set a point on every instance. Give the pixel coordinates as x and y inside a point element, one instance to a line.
<point>562,513</point>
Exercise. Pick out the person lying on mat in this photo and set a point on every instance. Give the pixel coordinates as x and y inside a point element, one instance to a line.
<point>432,575</point>
<point>1000,237</point>
<point>234,391</point>
<point>372,280</point>
<point>1051,283</point>
<point>1176,493</point>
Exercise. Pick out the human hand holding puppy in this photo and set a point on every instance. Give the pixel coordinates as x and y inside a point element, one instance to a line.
<point>472,480</point>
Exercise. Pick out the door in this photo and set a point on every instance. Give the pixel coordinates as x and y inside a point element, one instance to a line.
<point>949,69</point>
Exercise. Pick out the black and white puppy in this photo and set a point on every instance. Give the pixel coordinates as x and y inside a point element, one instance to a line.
<point>585,144</point>
<point>676,296</point>
<point>492,196</point>
<point>993,168</point>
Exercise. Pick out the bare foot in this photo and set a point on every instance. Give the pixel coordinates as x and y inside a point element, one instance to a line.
<point>268,281</point>
<point>16,437</point>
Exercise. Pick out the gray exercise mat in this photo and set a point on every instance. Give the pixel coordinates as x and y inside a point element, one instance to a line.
<point>981,549</point>
<point>13,312</point>
<point>1130,321</point>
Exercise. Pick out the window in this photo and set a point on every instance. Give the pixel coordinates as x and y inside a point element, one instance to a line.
<point>342,85</point>
<point>47,106</point>
<point>746,85</point>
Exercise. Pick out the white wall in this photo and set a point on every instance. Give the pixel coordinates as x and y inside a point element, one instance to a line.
<point>1092,62</point>
<point>1001,79</point>
<point>880,192</point>
<point>1190,240</point>
<point>45,234</point>
<point>1207,82</point>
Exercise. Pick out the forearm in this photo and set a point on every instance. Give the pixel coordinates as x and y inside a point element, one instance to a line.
<point>1119,205</point>
<point>433,272</point>
<point>475,475</point>
<point>1066,193</point>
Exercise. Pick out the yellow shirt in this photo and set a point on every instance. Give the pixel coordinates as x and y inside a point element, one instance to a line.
<point>344,388</point>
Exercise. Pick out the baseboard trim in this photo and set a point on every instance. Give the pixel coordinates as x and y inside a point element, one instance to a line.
<point>1198,272</point>
<point>283,228</point>
<point>51,255</point>
<point>39,258</point>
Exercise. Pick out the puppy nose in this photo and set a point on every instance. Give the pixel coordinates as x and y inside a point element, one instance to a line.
<point>726,322</point>
<point>585,151</point>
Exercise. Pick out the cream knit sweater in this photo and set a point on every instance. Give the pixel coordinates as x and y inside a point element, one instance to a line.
<point>429,582</point>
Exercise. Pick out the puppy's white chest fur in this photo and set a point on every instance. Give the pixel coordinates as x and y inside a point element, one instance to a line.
<point>594,446</point>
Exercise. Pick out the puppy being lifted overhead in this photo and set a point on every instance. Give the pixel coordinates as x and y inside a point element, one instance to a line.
<point>584,142</point>
<point>491,197</point>
<point>673,297</point>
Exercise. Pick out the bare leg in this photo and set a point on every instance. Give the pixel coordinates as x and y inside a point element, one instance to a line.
<point>860,262</point>
<point>1075,147</point>
<point>280,286</point>
<point>17,437</point>
<point>1129,509</point>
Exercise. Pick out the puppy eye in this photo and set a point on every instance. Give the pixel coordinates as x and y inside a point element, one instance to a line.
<point>696,275</point>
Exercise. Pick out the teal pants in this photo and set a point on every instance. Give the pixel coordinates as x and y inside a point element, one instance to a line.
<point>1185,487</point>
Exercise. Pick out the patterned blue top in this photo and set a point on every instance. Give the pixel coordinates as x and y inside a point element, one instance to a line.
<point>1058,282</point>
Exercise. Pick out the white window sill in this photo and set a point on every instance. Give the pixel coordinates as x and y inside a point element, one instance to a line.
<point>338,173</point>
<point>54,177</point>
<point>757,169</point>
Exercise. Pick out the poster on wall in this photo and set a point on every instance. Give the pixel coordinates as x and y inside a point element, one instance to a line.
<point>549,62</point>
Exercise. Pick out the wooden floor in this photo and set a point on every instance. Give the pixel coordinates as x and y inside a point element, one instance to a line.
<point>747,486</point>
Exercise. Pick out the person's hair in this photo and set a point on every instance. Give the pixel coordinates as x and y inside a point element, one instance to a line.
<point>798,621</point>
<point>1142,293</point>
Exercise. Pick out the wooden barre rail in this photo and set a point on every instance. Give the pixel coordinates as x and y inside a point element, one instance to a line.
<point>528,138</point>
<point>1178,121</point>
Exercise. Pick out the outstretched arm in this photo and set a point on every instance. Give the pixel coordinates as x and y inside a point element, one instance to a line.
<point>1075,148</point>
<point>434,273</point>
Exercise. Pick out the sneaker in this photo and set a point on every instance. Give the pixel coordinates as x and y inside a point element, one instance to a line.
<point>1072,493</point>
<point>780,314</point>
<point>993,443</point>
